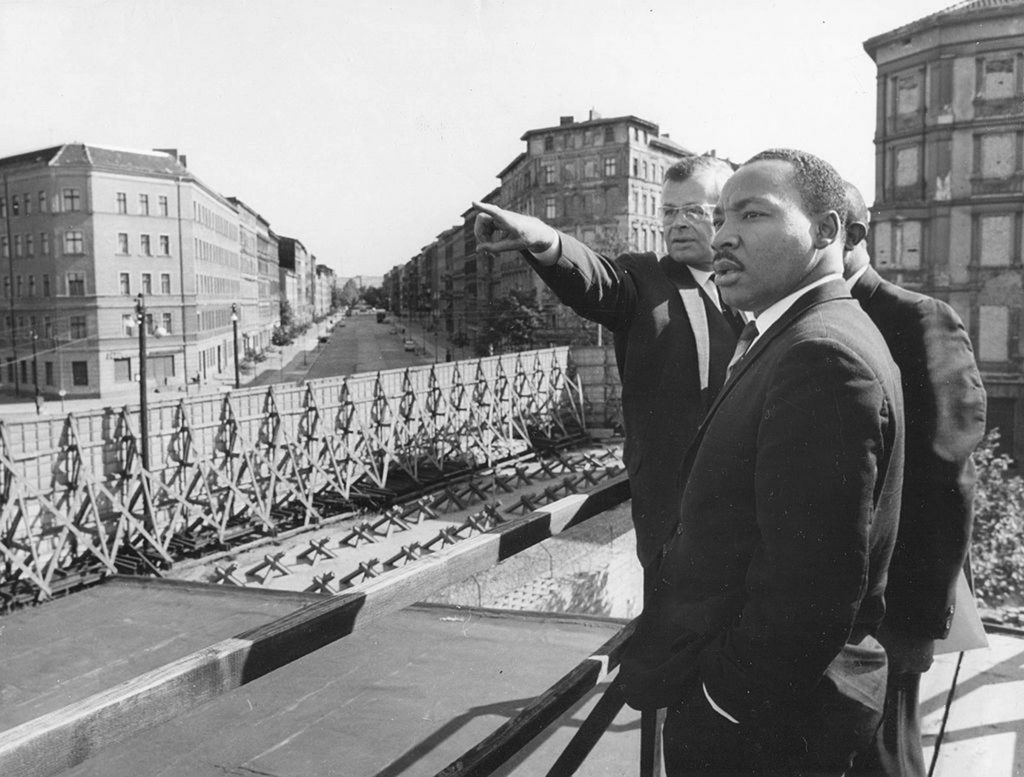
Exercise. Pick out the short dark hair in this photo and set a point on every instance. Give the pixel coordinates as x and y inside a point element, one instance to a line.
<point>856,210</point>
<point>821,187</point>
<point>689,166</point>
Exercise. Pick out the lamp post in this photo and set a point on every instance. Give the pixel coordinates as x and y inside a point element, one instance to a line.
<point>35,362</point>
<point>234,328</point>
<point>140,318</point>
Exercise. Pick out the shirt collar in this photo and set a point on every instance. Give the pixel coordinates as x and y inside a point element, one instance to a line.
<point>703,279</point>
<point>775,311</point>
<point>852,280</point>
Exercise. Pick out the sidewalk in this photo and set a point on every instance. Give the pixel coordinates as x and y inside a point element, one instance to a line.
<point>283,364</point>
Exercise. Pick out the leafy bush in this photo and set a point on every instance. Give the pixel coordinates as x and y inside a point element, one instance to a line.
<point>997,549</point>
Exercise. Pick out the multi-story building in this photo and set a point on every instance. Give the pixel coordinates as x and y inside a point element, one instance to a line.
<point>324,280</point>
<point>87,228</point>
<point>269,278</point>
<point>949,212</point>
<point>295,278</point>
<point>250,326</point>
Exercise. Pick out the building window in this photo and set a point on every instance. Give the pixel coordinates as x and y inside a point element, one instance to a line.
<point>995,240</point>
<point>908,94</point>
<point>122,370</point>
<point>128,324</point>
<point>48,370</point>
<point>609,166</point>
<point>645,170</point>
<point>77,327</point>
<point>147,283</point>
<point>636,168</point>
<point>143,204</point>
<point>993,333</point>
<point>549,173</point>
<point>126,283</point>
<point>5,247</point>
<point>17,287</point>
<point>898,244</point>
<point>46,285</point>
<point>549,142</point>
<point>80,373</point>
<point>15,206</point>
<point>44,243</point>
<point>72,200</point>
<point>122,242</point>
<point>30,248</point>
<point>165,245</point>
<point>74,242</point>
<point>998,152</point>
<point>609,134</point>
<point>161,203</point>
<point>32,286</point>
<point>549,208</point>
<point>17,246</point>
<point>165,283</point>
<point>28,203</point>
<point>907,169</point>
<point>42,202</point>
<point>3,208</point>
<point>997,78</point>
<point>144,245</point>
<point>76,284</point>
<point>166,318</point>
<point>122,202</point>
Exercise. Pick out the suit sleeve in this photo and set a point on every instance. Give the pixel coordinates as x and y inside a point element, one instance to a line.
<point>596,287</point>
<point>827,430</point>
<point>945,404</point>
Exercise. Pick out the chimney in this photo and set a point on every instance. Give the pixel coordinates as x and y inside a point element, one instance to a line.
<point>565,121</point>
<point>594,115</point>
<point>179,158</point>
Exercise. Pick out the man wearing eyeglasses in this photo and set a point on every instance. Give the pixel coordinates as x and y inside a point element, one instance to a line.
<point>673,339</point>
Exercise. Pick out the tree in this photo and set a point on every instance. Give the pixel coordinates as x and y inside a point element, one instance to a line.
<point>511,324</point>
<point>287,316</point>
<point>374,297</point>
<point>997,545</point>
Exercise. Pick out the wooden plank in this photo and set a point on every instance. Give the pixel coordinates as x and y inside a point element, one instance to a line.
<point>57,741</point>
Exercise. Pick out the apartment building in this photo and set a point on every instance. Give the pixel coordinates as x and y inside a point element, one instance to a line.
<point>294,261</point>
<point>949,211</point>
<point>251,326</point>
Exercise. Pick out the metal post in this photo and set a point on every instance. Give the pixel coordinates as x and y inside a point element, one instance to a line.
<point>234,327</point>
<point>140,317</point>
<point>35,362</point>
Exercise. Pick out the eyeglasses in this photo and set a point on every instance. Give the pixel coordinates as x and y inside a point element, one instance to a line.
<point>692,212</point>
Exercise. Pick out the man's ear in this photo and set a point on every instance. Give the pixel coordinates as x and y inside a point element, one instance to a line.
<point>856,231</point>
<point>827,229</point>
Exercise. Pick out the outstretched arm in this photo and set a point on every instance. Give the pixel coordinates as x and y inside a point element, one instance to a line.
<point>497,229</point>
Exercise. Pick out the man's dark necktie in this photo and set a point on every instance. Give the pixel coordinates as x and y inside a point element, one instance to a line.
<point>747,336</point>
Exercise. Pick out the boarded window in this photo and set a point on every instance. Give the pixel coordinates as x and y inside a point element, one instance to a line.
<point>993,331</point>
<point>907,172</point>
<point>999,80</point>
<point>995,240</point>
<point>122,370</point>
<point>997,152</point>
<point>908,244</point>
<point>908,94</point>
<point>883,244</point>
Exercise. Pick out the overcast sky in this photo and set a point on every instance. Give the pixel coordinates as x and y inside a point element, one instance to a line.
<point>364,128</point>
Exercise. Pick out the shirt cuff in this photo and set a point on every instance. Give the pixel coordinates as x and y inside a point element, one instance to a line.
<point>549,255</point>
<point>715,707</point>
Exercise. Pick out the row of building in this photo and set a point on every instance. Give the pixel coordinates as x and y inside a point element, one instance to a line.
<point>948,214</point>
<point>85,229</point>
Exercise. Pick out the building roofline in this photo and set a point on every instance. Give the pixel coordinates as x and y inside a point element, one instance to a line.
<point>947,16</point>
<point>593,123</point>
<point>513,163</point>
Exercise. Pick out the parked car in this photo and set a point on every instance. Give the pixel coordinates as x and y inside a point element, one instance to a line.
<point>409,344</point>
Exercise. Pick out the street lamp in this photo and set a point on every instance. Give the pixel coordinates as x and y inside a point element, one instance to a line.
<point>234,327</point>
<point>35,362</point>
<point>140,318</point>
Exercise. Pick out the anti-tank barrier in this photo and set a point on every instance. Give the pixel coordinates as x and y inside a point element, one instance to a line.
<point>258,460</point>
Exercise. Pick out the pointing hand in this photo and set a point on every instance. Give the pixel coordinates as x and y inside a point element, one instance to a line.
<point>497,229</point>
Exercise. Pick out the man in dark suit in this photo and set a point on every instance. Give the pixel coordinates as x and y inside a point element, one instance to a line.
<point>758,636</point>
<point>945,416</point>
<point>672,340</point>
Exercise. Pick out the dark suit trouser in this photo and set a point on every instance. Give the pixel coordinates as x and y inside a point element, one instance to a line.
<point>896,750</point>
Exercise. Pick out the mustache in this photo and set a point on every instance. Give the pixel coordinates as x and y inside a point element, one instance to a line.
<point>727,255</point>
